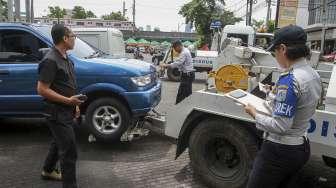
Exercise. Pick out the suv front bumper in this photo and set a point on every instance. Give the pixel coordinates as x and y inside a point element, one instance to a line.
<point>141,102</point>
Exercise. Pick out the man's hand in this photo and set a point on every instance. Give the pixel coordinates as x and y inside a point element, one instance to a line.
<point>251,110</point>
<point>74,101</point>
<point>77,114</point>
<point>163,65</point>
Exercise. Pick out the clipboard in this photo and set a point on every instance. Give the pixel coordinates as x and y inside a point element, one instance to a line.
<point>245,98</point>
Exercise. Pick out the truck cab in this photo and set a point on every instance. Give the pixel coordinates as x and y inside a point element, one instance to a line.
<point>245,33</point>
<point>109,40</point>
<point>120,91</point>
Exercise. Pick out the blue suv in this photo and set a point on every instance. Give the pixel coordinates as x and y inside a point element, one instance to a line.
<point>120,90</point>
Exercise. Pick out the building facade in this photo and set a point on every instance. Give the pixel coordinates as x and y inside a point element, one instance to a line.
<point>90,22</point>
<point>315,25</point>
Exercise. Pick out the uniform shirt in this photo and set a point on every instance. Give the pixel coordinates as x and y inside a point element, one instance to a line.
<point>293,101</point>
<point>58,71</point>
<point>184,62</point>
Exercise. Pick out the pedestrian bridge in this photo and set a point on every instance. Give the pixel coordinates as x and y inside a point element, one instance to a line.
<point>159,35</point>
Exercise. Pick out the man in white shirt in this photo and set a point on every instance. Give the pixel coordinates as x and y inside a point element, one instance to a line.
<point>185,66</point>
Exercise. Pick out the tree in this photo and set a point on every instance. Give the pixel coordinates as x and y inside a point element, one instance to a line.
<point>114,16</point>
<point>261,27</point>
<point>78,12</point>
<point>271,26</point>
<point>3,9</point>
<point>56,12</point>
<point>257,24</point>
<point>201,12</point>
<point>90,14</point>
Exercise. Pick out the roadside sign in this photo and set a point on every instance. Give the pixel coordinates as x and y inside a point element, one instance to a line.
<point>215,24</point>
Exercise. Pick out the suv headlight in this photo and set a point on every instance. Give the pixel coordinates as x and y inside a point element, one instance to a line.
<point>142,80</point>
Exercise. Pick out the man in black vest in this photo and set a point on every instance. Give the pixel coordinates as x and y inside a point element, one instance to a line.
<point>57,85</point>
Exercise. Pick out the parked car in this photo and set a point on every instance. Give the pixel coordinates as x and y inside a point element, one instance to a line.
<point>109,40</point>
<point>120,91</point>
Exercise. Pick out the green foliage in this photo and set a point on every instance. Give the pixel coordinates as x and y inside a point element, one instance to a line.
<point>90,14</point>
<point>78,12</point>
<point>271,26</point>
<point>56,12</point>
<point>3,9</point>
<point>114,16</point>
<point>257,24</point>
<point>260,26</point>
<point>201,12</point>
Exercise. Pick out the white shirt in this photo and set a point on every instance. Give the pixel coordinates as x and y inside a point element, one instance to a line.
<point>183,62</point>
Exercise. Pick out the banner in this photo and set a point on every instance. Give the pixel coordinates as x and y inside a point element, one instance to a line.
<point>287,12</point>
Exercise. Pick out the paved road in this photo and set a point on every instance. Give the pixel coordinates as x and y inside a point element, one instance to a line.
<point>148,162</point>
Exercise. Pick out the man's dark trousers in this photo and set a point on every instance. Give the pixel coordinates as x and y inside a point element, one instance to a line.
<point>185,88</point>
<point>277,165</point>
<point>63,146</point>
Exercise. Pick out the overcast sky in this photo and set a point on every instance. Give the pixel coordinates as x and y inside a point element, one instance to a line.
<point>157,13</point>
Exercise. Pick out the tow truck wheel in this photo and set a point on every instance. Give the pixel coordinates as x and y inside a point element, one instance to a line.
<point>331,162</point>
<point>222,153</point>
<point>173,74</point>
<point>107,119</point>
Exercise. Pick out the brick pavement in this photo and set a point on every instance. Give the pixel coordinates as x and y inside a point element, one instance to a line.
<point>148,162</point>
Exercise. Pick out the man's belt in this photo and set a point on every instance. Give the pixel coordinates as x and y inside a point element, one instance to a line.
<point>286,140</point>
<point>187,73</point>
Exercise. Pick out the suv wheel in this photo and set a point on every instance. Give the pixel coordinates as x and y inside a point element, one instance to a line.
<point>107,119</point>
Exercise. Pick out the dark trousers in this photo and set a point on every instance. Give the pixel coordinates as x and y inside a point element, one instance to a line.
<point>185,88</point>
<point>63,146</point>
<point>277,165</point>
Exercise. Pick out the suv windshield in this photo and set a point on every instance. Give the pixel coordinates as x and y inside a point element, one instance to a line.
<point>81,49</point>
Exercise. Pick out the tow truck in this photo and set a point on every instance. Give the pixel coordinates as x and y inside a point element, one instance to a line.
<point>221,138</point>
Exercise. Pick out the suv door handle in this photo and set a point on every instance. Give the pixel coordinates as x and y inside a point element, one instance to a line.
<point>4,72</point>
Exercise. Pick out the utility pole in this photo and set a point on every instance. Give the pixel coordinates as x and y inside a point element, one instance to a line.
<point>250,15</point>
<point>32,11</point>
<point>268,17</point>
<point>124,9</point>
<point>133,15</point>
<point>17,10</point>
<point>324,22</point>
<point>249,12</point>
<point>10,6</point>
<point>277,14</point>
<point>27,6</point>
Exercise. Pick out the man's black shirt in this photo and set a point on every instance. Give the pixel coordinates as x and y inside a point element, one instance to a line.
<point>59,72</point>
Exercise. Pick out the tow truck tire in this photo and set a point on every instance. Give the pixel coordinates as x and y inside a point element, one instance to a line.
<point>331,162</point>
<point>222,153</point>
<point>112,112</point>
<point>174,74</point>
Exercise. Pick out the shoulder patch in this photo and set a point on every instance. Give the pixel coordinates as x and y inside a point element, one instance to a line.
<point>286,99</point>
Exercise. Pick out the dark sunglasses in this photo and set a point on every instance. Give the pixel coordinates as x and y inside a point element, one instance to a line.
<point>74,36</point>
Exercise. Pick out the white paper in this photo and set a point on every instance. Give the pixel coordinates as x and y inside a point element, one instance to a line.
<point>258,103</point>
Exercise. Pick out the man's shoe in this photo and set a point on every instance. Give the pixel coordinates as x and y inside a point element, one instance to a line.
<point>54,175</point>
